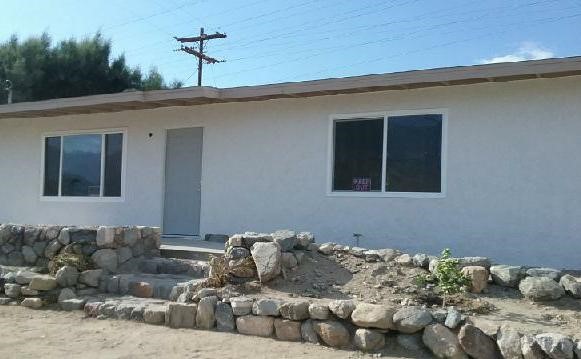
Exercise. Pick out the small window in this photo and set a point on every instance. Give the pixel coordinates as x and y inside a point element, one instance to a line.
<point>83,165</point>
<point>389,155</point>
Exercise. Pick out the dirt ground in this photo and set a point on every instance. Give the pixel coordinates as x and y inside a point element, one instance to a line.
<point>345,276</point>
<point>27,333</point>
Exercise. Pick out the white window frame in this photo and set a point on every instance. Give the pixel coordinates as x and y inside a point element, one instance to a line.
<point>102,132</point>
<point>385,115</point>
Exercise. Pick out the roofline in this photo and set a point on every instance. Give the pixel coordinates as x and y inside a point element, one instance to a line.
<point>190,96</point>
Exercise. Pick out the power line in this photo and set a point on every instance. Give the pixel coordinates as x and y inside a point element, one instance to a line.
<point>394,37</point>
<point>553,19</point>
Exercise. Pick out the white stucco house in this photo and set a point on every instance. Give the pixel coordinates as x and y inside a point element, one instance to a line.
<point>483,159</point>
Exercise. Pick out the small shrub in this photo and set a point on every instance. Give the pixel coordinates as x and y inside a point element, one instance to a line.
<point>69,259</point>
<point>447,276</point>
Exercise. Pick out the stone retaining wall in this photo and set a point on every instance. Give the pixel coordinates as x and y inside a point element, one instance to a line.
<point>108,247</point>
<point>344,324</point>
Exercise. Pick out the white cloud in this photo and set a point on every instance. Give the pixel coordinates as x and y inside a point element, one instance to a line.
<point>526,51</point>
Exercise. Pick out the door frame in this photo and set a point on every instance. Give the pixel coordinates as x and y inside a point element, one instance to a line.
<point>164,159</point>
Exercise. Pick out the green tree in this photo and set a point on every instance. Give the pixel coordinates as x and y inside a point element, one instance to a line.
<point>38,70</point>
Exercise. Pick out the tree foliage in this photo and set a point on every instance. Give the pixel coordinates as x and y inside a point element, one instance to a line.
<point>39,71</point>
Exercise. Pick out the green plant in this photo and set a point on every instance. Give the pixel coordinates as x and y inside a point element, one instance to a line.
<point>447,276</point>
<point>69,259</point>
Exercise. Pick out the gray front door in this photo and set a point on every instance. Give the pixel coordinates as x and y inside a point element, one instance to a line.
<point>183,170</point>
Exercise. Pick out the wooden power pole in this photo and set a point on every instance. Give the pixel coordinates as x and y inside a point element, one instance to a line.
<point>199,53</point>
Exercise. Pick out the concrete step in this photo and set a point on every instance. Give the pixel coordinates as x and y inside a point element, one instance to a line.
<point>176,266</point>
<point>187,248</point>
<point>162,284</point>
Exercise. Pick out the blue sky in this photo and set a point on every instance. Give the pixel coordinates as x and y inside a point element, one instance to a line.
<point>273,41</point>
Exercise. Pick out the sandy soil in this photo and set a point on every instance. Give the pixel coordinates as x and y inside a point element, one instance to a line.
<point>27,333</point>
<point>345,276</point>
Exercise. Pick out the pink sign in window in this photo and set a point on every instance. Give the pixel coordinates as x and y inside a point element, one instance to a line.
<point>361,184</point>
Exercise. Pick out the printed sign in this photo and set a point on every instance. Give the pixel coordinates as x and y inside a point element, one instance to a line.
<point>361,184</point>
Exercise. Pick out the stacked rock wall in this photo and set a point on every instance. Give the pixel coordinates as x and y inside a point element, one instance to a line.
<point>345,324</point>
<point>108,247</point>
<point>265,255</point>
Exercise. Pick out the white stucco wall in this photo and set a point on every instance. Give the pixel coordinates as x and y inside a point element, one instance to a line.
<point>513,171</point>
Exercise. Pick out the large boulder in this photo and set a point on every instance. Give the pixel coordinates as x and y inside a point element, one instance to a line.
<point>106,259</point>
<point>289,261</point>
<point>304,240</point>
<point>67,276</point>
<point>442,342</point>
<point>421,260</point>
<point>287,239</point>
<point>477,344</point>
<point>552,273</point>
<point>319,311</point>
<point>12,290</point>
<point>73,304</point>
<point>506,276</point>
<point>556,346</point>
<point>52,248</point>
<point>369,340</point>
<point>269,307</point>
<point>43,282</point>
<point>571,286</point>
<point>205,317</point>
<point>141,289</point>
<point>541,289</point>
<point>66,294</point>
<point>91,277</point>
<point>267,257</point>
<point>308,332</point>
<point>31,235</point>
<point>261,326</point>
<point>332,333</point>
<point>411,319</point>
<point>453,318</point>
<point>224,317</point>
<point>342,308</point>
<point>250,238</point>
<point>412,342</point>
<point>180,315</point>
<point>24,276</point>
<point>237,253</point>
<point>29,255</point>
<point>287,330</point>
<point>373,316</point>
<point>326,248</point>
<point>153,314</point>
<point>295,310</point>
<point>32,303</point>
<point>241,305</point>
<point>509,343</point>
<point>15,259</point>
<point>478,278</point>
<point>474,261</point>
<point>530,348</point>
<point>105,237</point>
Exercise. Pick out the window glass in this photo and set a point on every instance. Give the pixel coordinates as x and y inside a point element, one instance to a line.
<point>358,149</point>
<point>52,164</point>
<point>113,158</point>
<point>414,145</point>
<point>81,165</point>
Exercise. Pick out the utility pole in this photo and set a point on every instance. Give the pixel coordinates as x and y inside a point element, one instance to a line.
<point>200,52</point>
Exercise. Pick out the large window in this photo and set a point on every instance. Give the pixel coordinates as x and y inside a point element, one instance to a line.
<point>83,165</point>
<point>389,155</point>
